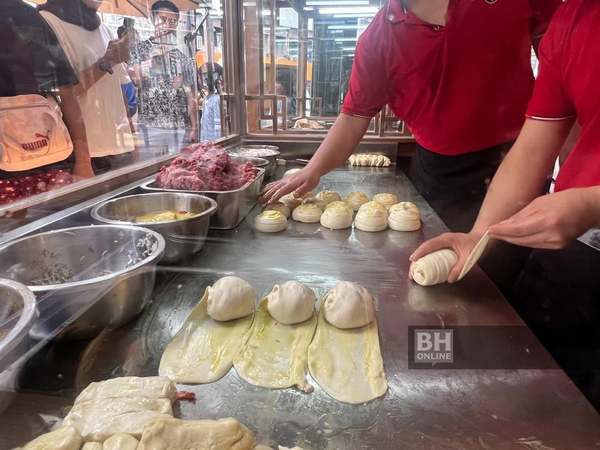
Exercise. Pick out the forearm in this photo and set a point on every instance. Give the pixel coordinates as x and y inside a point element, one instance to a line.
<point>522,175</point>
<point>72,117</point>
<point>192,110</point>
<point>342,139</point>
<point>87,78</point>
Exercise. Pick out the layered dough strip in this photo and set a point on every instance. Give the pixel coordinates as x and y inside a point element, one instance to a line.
<point>204,349</point>
<point>275,355</point>
<point>347,364</point>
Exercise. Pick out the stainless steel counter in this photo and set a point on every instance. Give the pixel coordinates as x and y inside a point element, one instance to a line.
<point>423,409</point>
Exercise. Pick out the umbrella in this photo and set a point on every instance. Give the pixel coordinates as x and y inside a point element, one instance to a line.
<point>138,7</point>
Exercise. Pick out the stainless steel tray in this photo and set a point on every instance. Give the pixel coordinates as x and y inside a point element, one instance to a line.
<point>232,206</point>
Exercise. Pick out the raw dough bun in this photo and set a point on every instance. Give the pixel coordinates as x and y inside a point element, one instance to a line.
<point>337,218</point>
<point>270,222</point>
<point>338,204</point>
<point>92,446</point>
<point>386,199</point>
<point>356,199</point>
<point>349,305</point>
<point>433,268</point>
<point>230,298</point>
<point>291,172</point>
<point>328,196</point>
<point>120,441</point>
<point>291,302</point>
<point>315,201</point>
<point>281,207</point>
<point>372,217</point>
<point>290,201</point>
<point>404,216</point>
<point>307,213</point>
<point>369,160</point>
<point>223,434</point>
<point>65,438</point>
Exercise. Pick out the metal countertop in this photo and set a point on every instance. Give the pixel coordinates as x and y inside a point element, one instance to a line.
<point>423,409</point>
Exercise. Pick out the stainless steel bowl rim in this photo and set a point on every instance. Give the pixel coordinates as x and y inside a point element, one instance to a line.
<point>208,212</point>
<point>28,314</point>
<point>272,148</point>
<point>160,241</point>
<point>147,185</point>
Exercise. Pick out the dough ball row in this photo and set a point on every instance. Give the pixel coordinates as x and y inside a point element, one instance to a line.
<point>328,208</point>
<point>369,160</point>
<point>347,305</point>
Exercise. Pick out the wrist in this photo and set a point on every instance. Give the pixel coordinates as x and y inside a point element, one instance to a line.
<point>591,205</point>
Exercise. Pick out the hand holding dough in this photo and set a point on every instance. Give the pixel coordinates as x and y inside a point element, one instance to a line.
<point>230,298</point>
<point>356,199</point>
<point>349,305</point>
<point>291,303</point>
<point>404,216</point>
<point>307,213</point>
<point>270,222</point>
<point>386,199</point>
<point>328,196</point>
<point>433,268</point>
<point>337,218</point>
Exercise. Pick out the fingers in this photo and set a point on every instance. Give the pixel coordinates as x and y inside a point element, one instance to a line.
<point>543,240</point>
<point>284,189</point>
<point>269,190</point>
<point>518,227</point>
<point>458,267</point>
<point>432,245</point>
<point>302,190</point>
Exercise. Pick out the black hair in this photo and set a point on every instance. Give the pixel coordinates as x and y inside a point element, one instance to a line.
<point>164,4</point>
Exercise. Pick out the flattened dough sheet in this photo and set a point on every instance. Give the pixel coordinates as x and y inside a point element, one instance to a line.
<point>203,350</point>
<point>347,364</point>
<point>275,355</point>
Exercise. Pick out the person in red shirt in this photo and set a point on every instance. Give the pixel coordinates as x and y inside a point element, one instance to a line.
<point>459,74</point>
<point>558,290</point>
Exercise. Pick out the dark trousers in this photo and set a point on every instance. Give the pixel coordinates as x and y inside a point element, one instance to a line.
<point>558,295</point>
<point>455,186</point>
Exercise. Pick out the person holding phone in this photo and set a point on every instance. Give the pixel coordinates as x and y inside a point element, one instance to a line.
<point>97,58</point>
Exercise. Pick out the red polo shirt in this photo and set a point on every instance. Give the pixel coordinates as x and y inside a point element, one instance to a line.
<point>568,86</point>
<point>461,87</point>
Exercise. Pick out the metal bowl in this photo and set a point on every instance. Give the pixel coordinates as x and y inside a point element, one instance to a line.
<point>18,311</point>
<point>85,278</point>
<point>268,152</point>
<point>261,163</point>
<point>184,237</point>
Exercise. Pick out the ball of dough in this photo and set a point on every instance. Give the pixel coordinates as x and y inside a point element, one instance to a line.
<point>338,204</point>
<point>230,298</point>
<point>291,302</point>
<point>337,218</point>
<point>281,207</point>
<point>315,201</point>
<point>291,172</point>
<point>349,305</point>
<point>290,201</point>
<point>371,217</point>
<point>433,268</point>
<point>328,196</point>
<point>404,216</point>
<point>386,199</point>
<point>270,222</point>
<point>356,199</point>
<point>307,213</point>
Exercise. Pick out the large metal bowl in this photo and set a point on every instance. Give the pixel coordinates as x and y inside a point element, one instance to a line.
<point>184,237</point>
<point>268,152</point>
<point>18,311</point>
<point>85,278</point>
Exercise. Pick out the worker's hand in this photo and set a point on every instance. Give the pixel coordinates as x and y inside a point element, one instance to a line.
<point>299,183</point>
<point>82,170</point>
<point>460,243</point>
<point>192,136</point>
<point>550,222</point>
<point>117,51</point>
